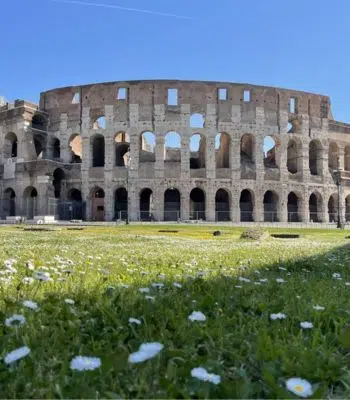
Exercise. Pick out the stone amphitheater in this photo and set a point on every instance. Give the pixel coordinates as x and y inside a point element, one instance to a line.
<point>169,150</point>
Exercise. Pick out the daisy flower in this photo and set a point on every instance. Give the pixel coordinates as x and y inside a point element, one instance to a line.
<point>203,375</point>
<point>17,354</point>
<point>197,316</point>
<point>306,325</point>
<point>145,352</point>
<point>15,320</point>
<point>278,316</point>
<point>30,304</point>
<point>300,387</point>
<point>82,363</point>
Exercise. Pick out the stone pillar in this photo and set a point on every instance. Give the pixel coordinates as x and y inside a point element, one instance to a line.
<point>158,203</point>
<point>303,207</point>
<point>210,162</point>
<point>259,158</point>
<point>304,152</point>
<point>159,155</point>
<point>86,161</point>
<point>43,182</point>
<point>210,203</point>
<point>258,206</point>
<point>185,204</point>
<point>65,153</point>
<point>235,158</point>
<point>342,205</point>
<point>282,212</point>
<point>281,158</point>
<point>109,203</point>
<point>341,154</point>
<point>235,212</point>
<point>185,157</point>
<point>134,152</point>
<point>133,202</point>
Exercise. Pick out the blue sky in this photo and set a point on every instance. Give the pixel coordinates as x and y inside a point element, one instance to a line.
<point>301,44</point>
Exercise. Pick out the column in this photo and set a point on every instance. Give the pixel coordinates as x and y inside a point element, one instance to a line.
<point>210,163</point>
<point>305,167</point>
<point>65,153</point>
<point>235,212</point>
<point>86,160</point>
<point>159,155</point>
<point>210,204</point>
<point>185,156</point>
<point>235,157</point>
<point>185,204</point>
<point>282,212</point>
<point>303,207</point>
<point>258,206</point>
<point>133,202</point>
<point>259,157</point>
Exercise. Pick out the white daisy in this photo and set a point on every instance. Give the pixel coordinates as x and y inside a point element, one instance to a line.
<point>16,354</point>
<point>203,375</point>
<point>197,316</point>
<point>144,290</point>
<point>15,320</point>
<point>30,304</point>
<point>280,280</point>
<point>306,325</point>
<point>69,301</point>
<point>177,285</point>
<point>278,316</point>
<point>145,352</point>
<point>242,279</point>
<point>42,276</point>
<point>150,298</point>
<point>27,280</point>
<point>263,280</point>
<point>336,275</point>
<point>300,387</point>
<point>347,283</point>
<point>158,285</point>
<point>318,308</point>
<point>82,363</point>
<point>134,321</point>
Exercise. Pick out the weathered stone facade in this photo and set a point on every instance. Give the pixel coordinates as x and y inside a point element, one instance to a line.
<point>85,146</point>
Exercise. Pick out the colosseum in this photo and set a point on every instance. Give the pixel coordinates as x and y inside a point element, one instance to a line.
<point>169,150</point>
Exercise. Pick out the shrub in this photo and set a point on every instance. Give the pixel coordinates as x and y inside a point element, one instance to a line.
<point>255,233</point>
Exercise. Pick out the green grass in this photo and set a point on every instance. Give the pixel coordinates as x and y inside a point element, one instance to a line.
<point>253,354</point>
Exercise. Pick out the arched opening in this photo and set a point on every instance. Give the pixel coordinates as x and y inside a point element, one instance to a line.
<point>247,149</point>
<point>121,204</point>
<point>222,150</point>
<point>122,149</point>
<point>246,206</point>
<point>333,208</point>
<point>10,146</point>
<point>172,147</point>
<point>58,176</point>
<point>39,122</point>
<point>172,205</point>
<point>333,162</point>
<point>292,157</point>
<point>315,157</point>
<point>147,147</point>
<point>270,152</point>
<point>98,204</point>
<point>347,158</point>
<point>270,206</point>
<point>222,205</point>
<point>30,196</point>
<point>56,149</point>
<point>315,207</point>
<point>347,208</point>
<point>98,151</point>
<point>197,151</point>
<point>197,204</point>
<point>99,123</point>
<point>39,146</point>
<point>197,121</point>
<point>146,205</point>
<point>9,203</point>
<point>293,207</point>
<point>74,209</point>
<point>75,145</point>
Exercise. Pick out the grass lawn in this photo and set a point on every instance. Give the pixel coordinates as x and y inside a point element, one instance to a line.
<point>87,285</point>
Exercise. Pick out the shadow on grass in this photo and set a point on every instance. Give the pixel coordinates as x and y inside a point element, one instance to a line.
<point>238,341</point>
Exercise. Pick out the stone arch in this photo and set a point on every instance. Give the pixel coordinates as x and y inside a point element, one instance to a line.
<point>197,151</point>
<point>172,147</point>
<point>197,120</point>
<point>197,204</point>
<point>347,158</point>
<point>246,205</point>
<point>315,157</point>
<point>271,206</point>
<point>11,145</point>
<point>222,150</point>
<point>333,208</point>
<point>58,177</point>
<point>99,122</point>
<point>122,149</point>
<point>315,207</point>
<point>270,149</point>
<point>76,148</point>
<point>222,205</point>
<point>146,204</point>
<point>247,149</point>
<point>172,204</point>
<point>293,207</point>
<point>9,203</point>
<point>293,156</point>
<point>98,150</point>
<point>121,203</point>
<point>30,197</point>
<point>56,149</point>
<point>333,154</point>
<point>76,207</point>
<point>147,147</point>
<point>39,122</point>
<point>74,195</point>
<point>97,204</point>
<point>39,145</point>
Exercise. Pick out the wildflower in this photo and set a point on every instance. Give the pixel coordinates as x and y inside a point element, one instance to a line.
<point>30,304</point>
<point>177,285</point>
<point>144,290</point>
<point>42,276</point>
<point>306,325</point>
<point>300,387</point>
<point>282,269</point>
<point>15,320</point>
<point>318,308</point>
<point>263,280</point>
<point>27,280</point>
<point>336,275</point>
<point>280,280</point>
<point>134,321</point>
<point>157,285</point>
<point>347,283</point>
<point>82,363</point>
<point>257,283</point>
<point>278,316</point>
<point>123,285</point>
<point>16,354</point>
<point>69,301</point>
<point>242,279</point>
<point>150,297</point>
<point>203,375</point>
<point>238,286</point>
<point>145,352</point>
<point>197,316</point>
